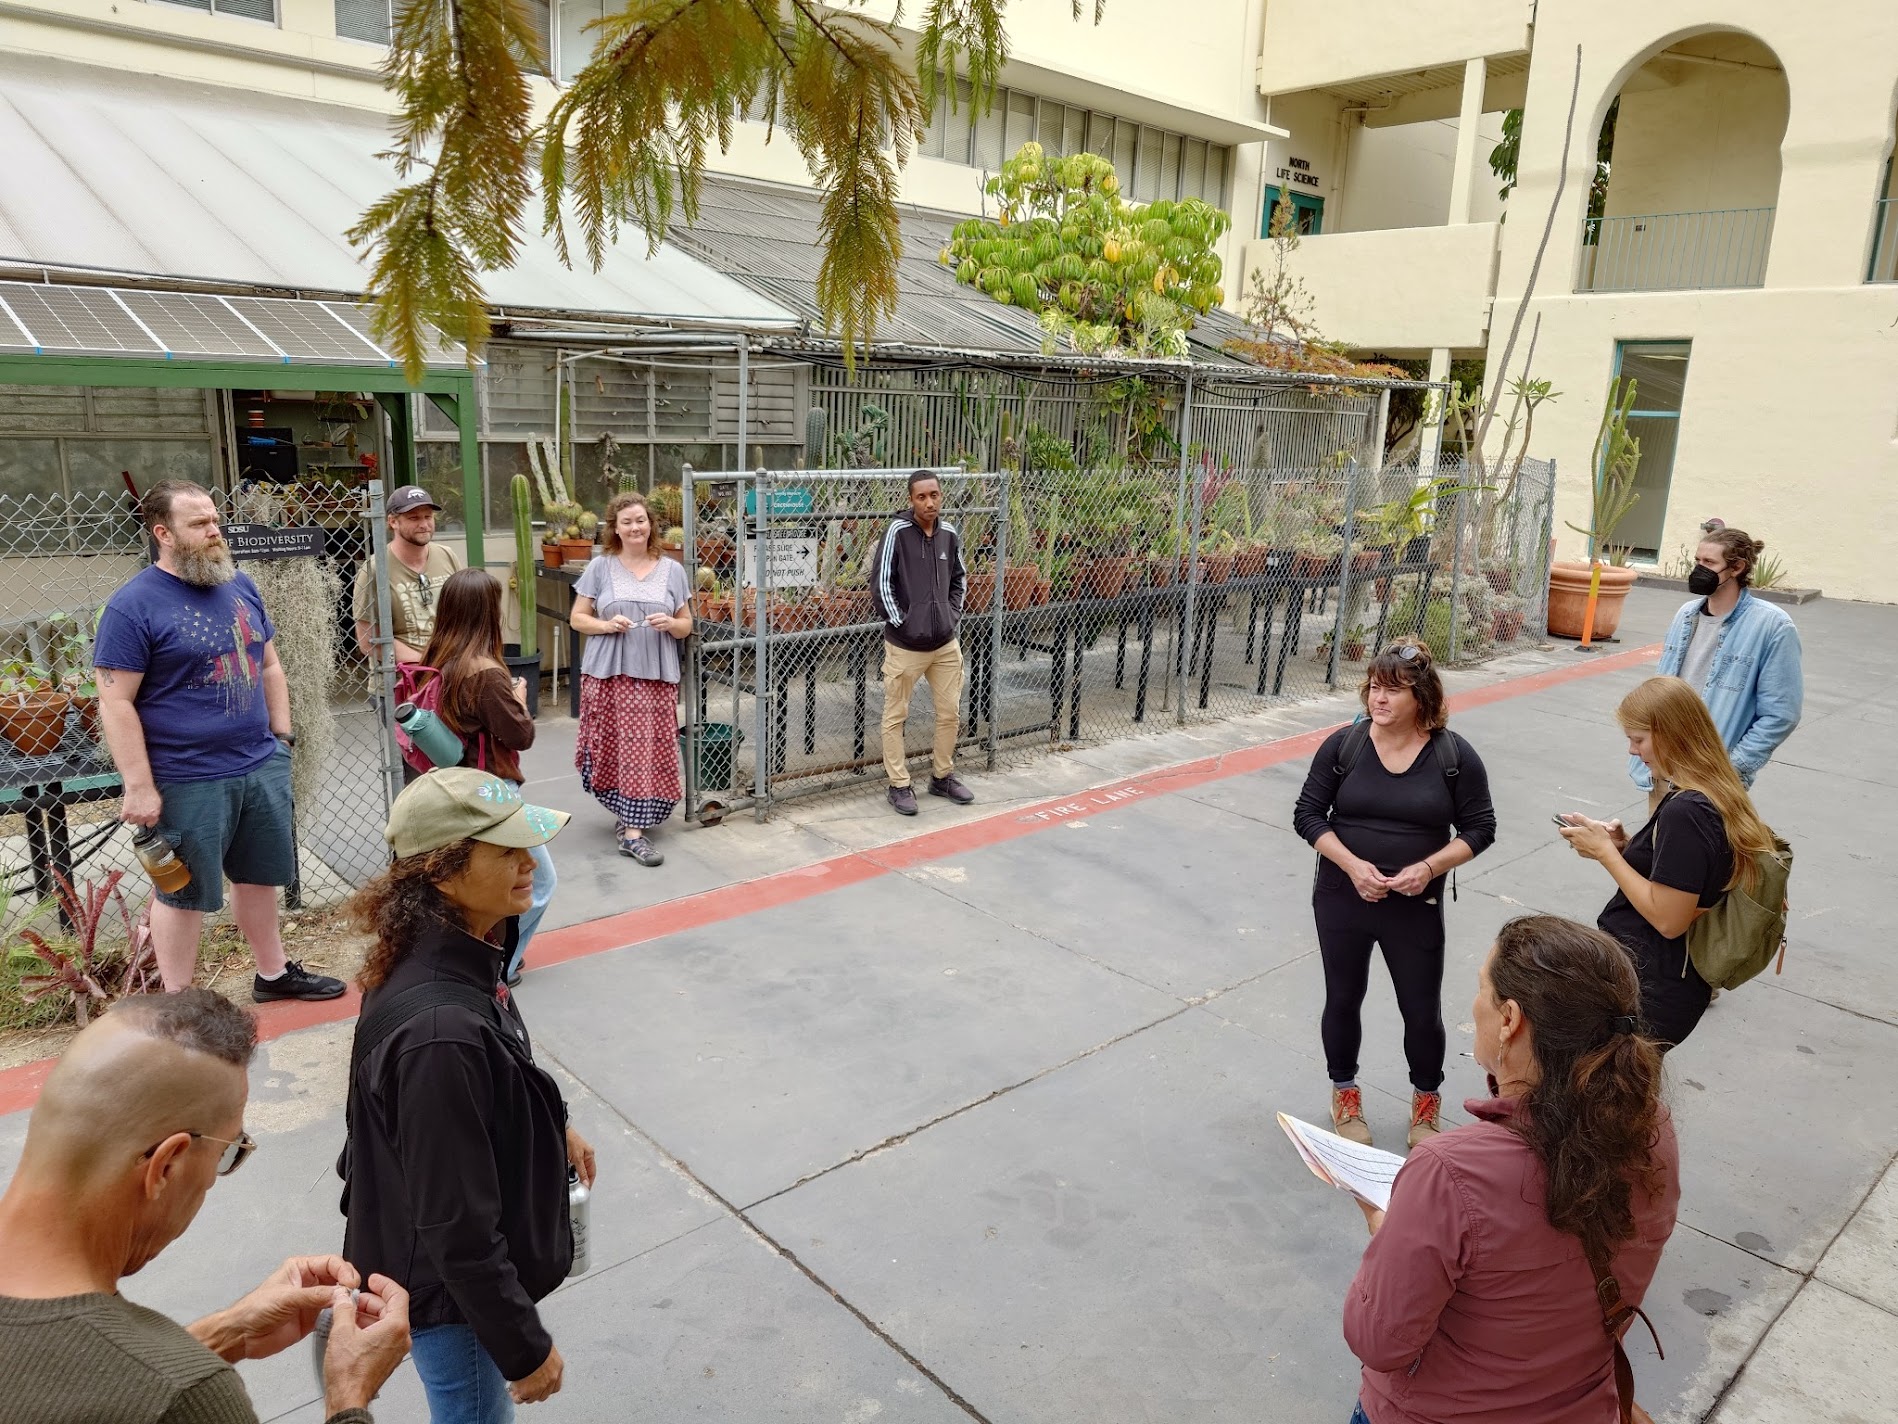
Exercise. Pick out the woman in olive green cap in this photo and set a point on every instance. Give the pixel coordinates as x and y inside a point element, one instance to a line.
<point>456,1168</point>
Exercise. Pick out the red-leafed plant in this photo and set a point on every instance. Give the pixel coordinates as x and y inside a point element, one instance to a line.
<point>79,970</point>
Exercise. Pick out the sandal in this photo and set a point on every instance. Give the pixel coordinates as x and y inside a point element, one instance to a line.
<point>638,848</point>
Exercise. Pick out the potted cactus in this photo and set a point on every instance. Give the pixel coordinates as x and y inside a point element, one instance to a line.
<point>523,658</point>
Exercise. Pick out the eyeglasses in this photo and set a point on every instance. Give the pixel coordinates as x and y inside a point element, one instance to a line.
<point>234,1155</point>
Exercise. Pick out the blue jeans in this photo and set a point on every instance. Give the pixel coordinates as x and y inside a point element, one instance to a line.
<point>1358,1416</point>
<point>463,1384</point>
<point>544,882</point>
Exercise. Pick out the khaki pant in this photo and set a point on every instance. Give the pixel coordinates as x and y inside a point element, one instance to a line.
<point>902,669</point>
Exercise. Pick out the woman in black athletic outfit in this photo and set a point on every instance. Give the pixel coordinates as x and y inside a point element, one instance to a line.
<point>1392,804</point>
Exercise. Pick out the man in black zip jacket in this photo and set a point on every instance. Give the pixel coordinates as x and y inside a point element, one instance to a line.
<point>918,585</point>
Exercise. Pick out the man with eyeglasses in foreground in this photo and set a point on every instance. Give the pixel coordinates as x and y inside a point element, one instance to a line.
<point>143,1113</point>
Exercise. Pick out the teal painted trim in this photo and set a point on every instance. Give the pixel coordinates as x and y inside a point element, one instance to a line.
<point>219,375</point>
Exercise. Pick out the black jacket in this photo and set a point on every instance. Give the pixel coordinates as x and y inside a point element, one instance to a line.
<point>918,584</point>
<point>457,1159</point>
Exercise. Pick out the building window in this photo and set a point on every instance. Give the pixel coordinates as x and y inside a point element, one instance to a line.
<point>265,10</point>
<point>373,21</point>
<point>1659,371</point>
<point>1308,213</point>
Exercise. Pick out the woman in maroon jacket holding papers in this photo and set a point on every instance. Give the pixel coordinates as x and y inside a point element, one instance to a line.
<point>1476,1300</point>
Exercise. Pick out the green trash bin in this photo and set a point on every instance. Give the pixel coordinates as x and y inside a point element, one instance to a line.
<point>716,742</point>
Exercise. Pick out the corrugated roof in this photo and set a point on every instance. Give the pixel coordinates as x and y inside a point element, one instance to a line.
<point>766,236</point>
<point>140,175</point>
<point>49,319</point>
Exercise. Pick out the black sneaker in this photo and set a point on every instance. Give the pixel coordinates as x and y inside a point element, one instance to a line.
<point>952,787</point>
<point>295,983</point>
<point>903,798</point>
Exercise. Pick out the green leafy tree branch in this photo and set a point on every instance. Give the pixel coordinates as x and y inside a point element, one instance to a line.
<point>627,141</point>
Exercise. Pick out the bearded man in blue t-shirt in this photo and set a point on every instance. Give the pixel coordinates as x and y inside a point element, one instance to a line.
<point>196,714</point>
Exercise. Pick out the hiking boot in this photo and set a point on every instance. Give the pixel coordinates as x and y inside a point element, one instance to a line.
<point>903,798</point>
<point>1347,1115</point>
<point>295,983</point>
<point>952,787</point>
<point>1426,1114</point>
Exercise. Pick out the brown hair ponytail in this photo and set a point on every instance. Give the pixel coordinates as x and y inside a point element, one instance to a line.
<point>1593,1117</point>
<point>1739,547</point>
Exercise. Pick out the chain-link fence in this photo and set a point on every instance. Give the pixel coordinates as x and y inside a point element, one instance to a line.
<point>61,559</point>
<point>1100,601</point>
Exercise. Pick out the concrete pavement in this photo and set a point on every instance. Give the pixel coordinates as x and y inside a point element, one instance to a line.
<point>980,1126</point>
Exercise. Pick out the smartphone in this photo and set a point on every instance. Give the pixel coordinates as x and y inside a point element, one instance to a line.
<point>1560,822</point>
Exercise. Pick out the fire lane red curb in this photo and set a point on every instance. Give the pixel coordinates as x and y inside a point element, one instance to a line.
<point>20,1087</point>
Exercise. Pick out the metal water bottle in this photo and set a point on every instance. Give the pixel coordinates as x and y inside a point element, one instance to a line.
<point>161,862</point>
<point>429,734</point>
<point>579,1211</point>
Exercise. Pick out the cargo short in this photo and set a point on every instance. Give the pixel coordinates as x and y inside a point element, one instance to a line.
<point>236,826</point>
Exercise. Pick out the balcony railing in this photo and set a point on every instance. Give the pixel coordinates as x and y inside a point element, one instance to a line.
<point>1884,242</point>
<point>1672,252</point>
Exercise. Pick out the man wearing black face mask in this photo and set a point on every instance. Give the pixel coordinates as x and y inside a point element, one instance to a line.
<point>1740,653</point>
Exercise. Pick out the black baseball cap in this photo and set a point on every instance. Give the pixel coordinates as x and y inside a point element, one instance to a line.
<point>411,497</point>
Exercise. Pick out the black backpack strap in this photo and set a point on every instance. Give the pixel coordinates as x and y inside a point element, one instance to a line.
<point>1356,739</point>
<point>1448,757</point>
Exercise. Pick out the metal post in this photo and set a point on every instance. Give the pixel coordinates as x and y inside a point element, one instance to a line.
<point>744,403</point>
<point>1546,555</point>
<point>689,663</point>
<point>995,625</point>
<point>1456,564</point>
<point>761,647</point>
<point>384,644</point>
<point>1344,578</point>
<point>1181,656</point>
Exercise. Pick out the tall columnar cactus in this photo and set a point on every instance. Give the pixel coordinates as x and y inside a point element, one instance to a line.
<point>816,435</point>
<point>524,564</point>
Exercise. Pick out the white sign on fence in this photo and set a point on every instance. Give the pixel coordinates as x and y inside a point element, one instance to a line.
<point>793,560</point>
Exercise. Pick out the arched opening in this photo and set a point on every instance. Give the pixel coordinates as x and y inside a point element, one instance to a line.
<point>1685,195</point>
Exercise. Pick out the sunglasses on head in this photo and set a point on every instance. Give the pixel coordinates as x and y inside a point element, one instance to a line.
<point>234,1155</point>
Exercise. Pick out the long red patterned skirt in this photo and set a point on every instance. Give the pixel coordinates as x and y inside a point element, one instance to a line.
<point>628,749</point>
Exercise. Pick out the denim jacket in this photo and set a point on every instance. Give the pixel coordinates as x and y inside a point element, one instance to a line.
<point>1754,685</point>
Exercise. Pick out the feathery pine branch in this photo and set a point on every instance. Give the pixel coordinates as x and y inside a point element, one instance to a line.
<point>627,140</point>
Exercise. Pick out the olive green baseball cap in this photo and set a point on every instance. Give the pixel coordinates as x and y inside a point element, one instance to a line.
<point>462,803</point>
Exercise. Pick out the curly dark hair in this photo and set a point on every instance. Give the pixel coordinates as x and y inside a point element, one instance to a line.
<point>1739,547</point>
<point>1594,1116</point>
<point>1409,664</point>
<point>195,1019</point>
<point>402,904</point>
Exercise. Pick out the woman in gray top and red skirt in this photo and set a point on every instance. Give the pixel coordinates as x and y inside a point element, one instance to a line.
<point>635,608</point>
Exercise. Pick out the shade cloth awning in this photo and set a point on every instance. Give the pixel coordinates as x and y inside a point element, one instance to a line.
<point>133,176</point>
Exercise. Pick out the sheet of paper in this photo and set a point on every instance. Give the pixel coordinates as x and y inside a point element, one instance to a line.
<point>1365,1172</point>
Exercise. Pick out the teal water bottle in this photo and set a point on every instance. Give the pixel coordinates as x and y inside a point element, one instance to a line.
<point>429,735</point>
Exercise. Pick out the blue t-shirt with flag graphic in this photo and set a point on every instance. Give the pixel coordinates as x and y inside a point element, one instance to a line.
<point>201,652</point>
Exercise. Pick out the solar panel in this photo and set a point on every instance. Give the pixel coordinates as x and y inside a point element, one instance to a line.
<point>111,321</point>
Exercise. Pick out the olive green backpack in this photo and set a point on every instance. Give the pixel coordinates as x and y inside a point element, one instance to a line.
<point>1737,938</point>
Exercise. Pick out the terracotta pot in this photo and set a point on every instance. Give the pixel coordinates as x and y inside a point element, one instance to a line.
<point>1018,586</point>
<point>576,551</point>
<point>1508,624</point>
<point>1215,568</point>
<point>1249,563</point>
<point>1364,560</point>
<point>1353,652</point>
<point>715,550</point>
<point>1568,598</point>
<point>1044,589</point>
<point>671,551</point>
<point>1162,572</point>
<point>718,609</point>
<point>1499,579</point>
<point>550,554</point>
<point>35,721</point>
<point>979,596</point>
<point>849,606</point>
<point>1105,578</point>
<point>88,710</point>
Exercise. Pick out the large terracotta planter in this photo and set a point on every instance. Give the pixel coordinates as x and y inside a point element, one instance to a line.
<point>35,721</point>
<point>1018,587</point>
<point>979,596</point>
<point>1568,598</point>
